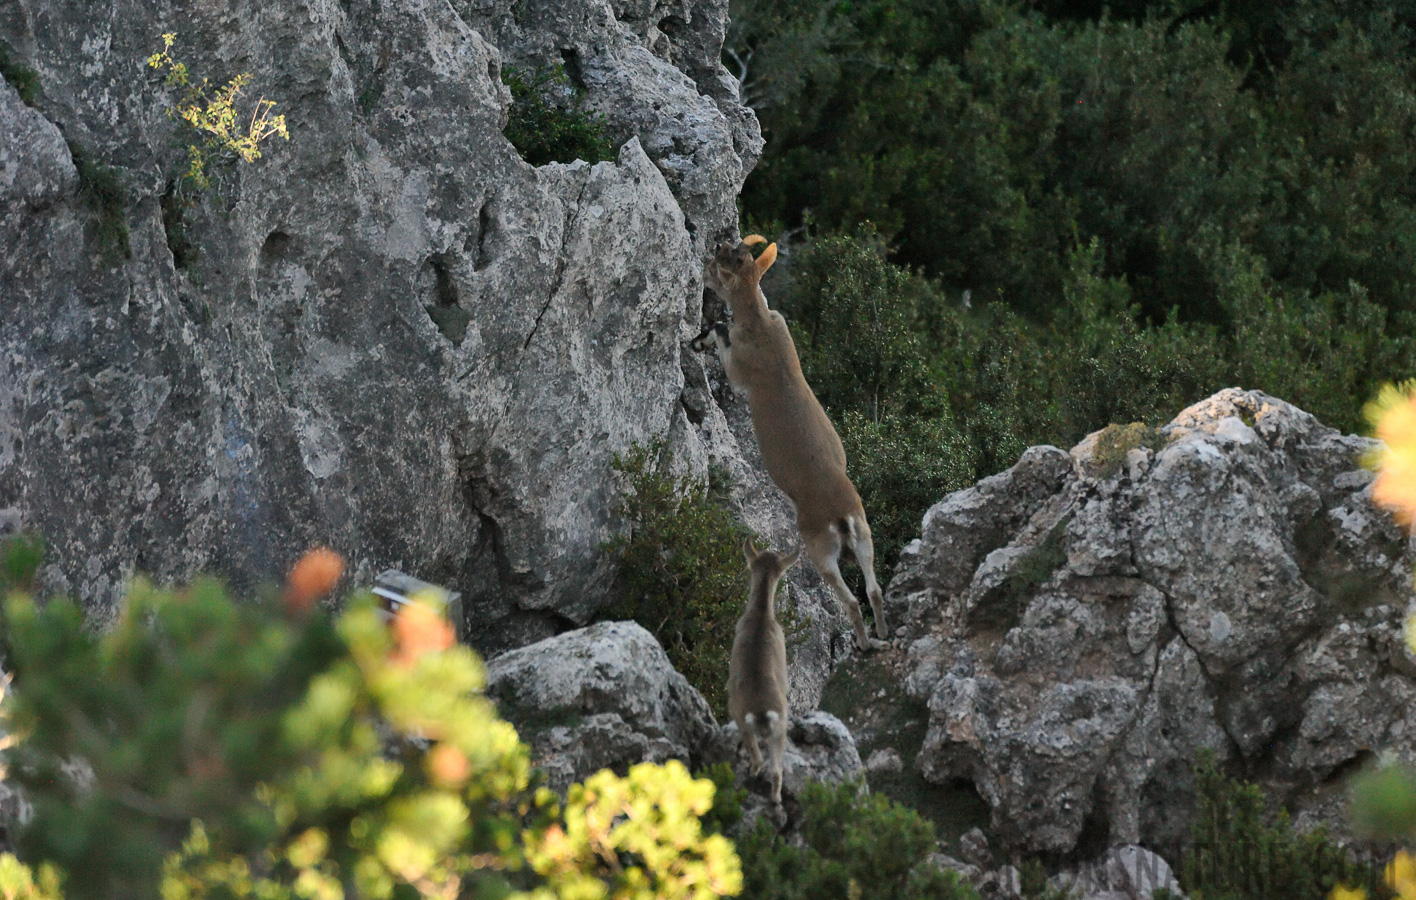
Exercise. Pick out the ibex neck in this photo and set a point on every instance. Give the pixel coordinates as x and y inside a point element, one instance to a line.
<point>747,303</point>
<point>760,598</point>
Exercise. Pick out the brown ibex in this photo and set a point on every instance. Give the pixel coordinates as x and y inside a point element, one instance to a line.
<point>800,448</point>
<point>757,670</point>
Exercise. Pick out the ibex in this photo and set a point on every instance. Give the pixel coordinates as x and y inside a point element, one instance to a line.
<point>757,670</point>
<point>800,448</point>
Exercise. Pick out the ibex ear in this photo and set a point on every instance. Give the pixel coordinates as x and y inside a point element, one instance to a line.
<point>789,561</point>
<point>764,262</point>
<point>754,239</point>
<point>749,551</point>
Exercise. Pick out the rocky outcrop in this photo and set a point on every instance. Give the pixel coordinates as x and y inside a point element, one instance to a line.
<point>1083,624</point>
<point>390,334</point>
<point>606,696</point>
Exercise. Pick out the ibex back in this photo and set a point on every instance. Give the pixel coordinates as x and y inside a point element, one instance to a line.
<point>800,448</point>
<point>757,670</point>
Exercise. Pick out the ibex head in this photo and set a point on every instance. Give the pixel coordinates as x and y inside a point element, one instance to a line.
<point>767,563</point>
<point>733,269</point>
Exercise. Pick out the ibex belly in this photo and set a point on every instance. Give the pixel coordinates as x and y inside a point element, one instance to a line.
<point>803,454</point>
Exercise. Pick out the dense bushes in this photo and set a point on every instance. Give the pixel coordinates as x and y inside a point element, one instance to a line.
<point>930,394</point>
<point>1237,855</point>
<point>982,135</point>
<point>1092,218</point>
<point>854,845</point>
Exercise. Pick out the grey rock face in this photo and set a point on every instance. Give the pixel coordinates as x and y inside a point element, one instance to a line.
<point>390,334</point>
<point>819,748</point>
<point>598,697</point>
<point>1235,590</point>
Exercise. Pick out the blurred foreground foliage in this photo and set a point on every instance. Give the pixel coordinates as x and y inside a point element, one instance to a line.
<point>206,748</point>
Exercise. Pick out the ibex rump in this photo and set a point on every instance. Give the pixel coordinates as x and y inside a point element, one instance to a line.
<point>757,670</point>
<point>800,448</point>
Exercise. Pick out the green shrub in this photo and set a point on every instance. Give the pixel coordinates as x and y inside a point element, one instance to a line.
<point>902,465</point>
<point>681,569</point>
<point>1384,801</point>
<point>1115,441</point>
<point>726,812</point>
<point>547,121</point>
<point>858,331</point>
<point>1237,855</point>
<point>854,845</point>
<point>205,748</point>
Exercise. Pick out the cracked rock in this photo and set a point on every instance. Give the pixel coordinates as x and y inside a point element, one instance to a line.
<point>1083,631</point>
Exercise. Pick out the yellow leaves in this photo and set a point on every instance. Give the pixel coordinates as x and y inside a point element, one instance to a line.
<point>1393,418</point>
<point>1400,877</point>
<point>18,882</point>
<point>214,112</point>
<point>651,819</point>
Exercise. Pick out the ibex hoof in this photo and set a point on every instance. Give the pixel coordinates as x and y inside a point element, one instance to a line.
<point>873,644</point>
<point>880,630</point>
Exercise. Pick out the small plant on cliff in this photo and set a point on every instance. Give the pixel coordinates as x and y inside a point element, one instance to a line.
<point>21,77</point>
<point>214,113</point>
<point>854,845</point>
<point>1115,441</point>
<point>547,121</point>
<point>102,188</point>
<point>205,748</point>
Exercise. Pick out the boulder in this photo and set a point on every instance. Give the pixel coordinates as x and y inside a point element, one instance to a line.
<point>1081,626</point>
<point>600,697</point>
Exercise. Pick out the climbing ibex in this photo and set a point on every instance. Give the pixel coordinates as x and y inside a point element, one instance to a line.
<point>801,450</point>
<point>757,671</point>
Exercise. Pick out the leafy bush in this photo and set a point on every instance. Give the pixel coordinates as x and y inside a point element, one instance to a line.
<point>1237,855</point>
<point>902,465</point>
<point>208,748</point>
<point>681,569</point>
<point>854,845</point>
<point>547,121</point>
<point>226,131</point>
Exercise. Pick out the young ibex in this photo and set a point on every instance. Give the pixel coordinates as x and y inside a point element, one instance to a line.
<point>757,670</point>
<point>801,450</point>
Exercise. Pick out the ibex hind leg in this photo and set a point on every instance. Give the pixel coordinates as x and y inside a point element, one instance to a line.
<point>858,537</point>
<point>747,730</point>
<point>776,746</point>
<point>825,550</point>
